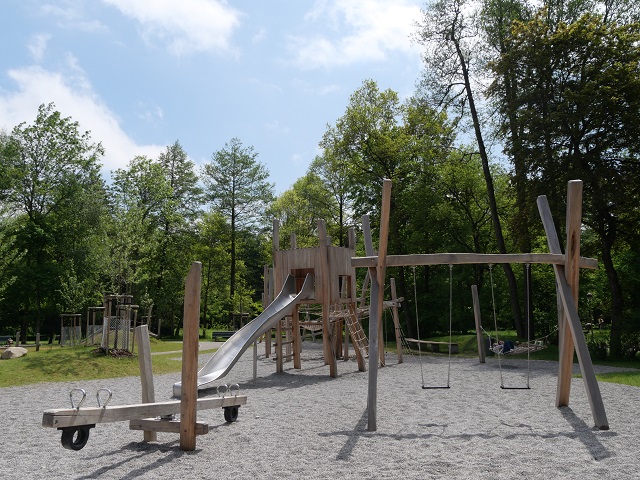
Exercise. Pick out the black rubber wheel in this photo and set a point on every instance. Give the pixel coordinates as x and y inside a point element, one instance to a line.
<point>75,438</point>
<point>230,414</point>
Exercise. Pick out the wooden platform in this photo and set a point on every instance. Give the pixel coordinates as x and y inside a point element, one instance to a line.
<point>435,346</point>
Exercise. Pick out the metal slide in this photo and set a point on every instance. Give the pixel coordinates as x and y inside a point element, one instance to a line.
<point>229,353</point>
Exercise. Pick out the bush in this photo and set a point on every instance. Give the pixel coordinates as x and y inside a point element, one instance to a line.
<point>630,343</point>
<point>598,349</point>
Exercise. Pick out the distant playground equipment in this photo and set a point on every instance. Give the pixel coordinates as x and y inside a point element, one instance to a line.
<point>71,329</point>
<point>149,416</point>
<point>119,320</point>
<point>566,268</point>
<point>116,330</point>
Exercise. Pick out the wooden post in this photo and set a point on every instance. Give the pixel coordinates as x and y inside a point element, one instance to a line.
<point>295,334</point>
<point>396,319</point>
<point>382,255</point>
<point>573,321</point>
<point>572,271</point>
<point>86,337</point>
<point>476,314</point>
<point>377,296</point>
<point>325,295</point>
<point>191,328</point>
<point>372,389</point>
<point>146,374</point>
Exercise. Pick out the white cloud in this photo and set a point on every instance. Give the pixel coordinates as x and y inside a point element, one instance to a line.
<point>73,97</point>
<point>186,26</point>
<point>38,45</point>
<point>72,16</point>
<point>363,31</point>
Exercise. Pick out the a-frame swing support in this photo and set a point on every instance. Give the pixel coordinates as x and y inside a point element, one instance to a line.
<point>566,267</point>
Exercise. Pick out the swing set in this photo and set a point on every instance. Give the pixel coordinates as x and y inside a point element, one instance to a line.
<point>566,268</point>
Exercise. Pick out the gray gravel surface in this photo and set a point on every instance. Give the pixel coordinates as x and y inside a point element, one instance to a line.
<point>303,424</point>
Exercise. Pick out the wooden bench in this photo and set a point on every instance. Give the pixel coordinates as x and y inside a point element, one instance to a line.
<point>221,334</point>
<point>435,346</point>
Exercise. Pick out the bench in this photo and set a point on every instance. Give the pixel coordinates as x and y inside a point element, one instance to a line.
<point>4,339</point>
<point>435,346</point>
<point>221,334</point>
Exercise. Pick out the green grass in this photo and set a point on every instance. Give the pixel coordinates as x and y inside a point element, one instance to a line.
<point>624,378</point>
<point>60,364</point>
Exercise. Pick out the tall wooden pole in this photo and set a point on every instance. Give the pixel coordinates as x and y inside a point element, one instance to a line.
<point>146,374</point>
<point>190,332</point>
<point>396,319</point>
<point>476,314</point>
<point>571,271</point>
<point>376,303</point>
<point>573,325</point>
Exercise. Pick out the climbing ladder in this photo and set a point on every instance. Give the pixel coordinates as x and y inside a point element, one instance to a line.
<point>405,345</point>
<point>358,338</point>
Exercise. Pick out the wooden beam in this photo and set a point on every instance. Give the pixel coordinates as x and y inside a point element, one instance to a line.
<point>572,274</point>
<point>325,286</point>
<point>146,374</point>
<point>190,334</point>
<point>396,319</point>
<point>153,425</point>
<point>573,321</point>
<point>469,259</point>
<point>383,242</point>
<point>476,315</point>
<point>377,274</point>
<point>71,417</point>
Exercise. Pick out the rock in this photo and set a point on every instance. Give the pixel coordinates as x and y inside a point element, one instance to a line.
<point>13,352</point>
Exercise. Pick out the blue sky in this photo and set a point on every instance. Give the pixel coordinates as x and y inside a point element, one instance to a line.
<point>141,74</point>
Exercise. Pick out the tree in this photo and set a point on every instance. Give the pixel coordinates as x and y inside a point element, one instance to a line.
<point>237,187</point>
<point>451,60</point>
<point>53,190</point>
<point>578,107</point>
<point>381,137</point>
<point>299,208</point>
<point>334,174</point>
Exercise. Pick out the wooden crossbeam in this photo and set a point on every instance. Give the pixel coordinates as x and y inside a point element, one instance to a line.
<point>371,261</point>
<point>166,426</point>
<point>65,417</point>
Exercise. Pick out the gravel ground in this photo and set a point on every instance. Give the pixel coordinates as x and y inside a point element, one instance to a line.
<point>303,424</point>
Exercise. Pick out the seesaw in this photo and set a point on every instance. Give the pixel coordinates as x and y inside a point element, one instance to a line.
<point>75,422</point>
<point>150,416</point>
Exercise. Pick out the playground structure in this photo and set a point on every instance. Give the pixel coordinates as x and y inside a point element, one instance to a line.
<point>335,301</point>
<point>566,268</point>
<point>149,416</point>
<point>118,323</point>
<point>319,278</point>
<point>115,331</point>
<point>70,329</point>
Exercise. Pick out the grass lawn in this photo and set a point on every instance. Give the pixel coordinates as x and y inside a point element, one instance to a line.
<point>58,364</point>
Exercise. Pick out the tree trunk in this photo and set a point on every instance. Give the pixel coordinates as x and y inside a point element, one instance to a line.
<point>617,302</point>
<point>511,279</point>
